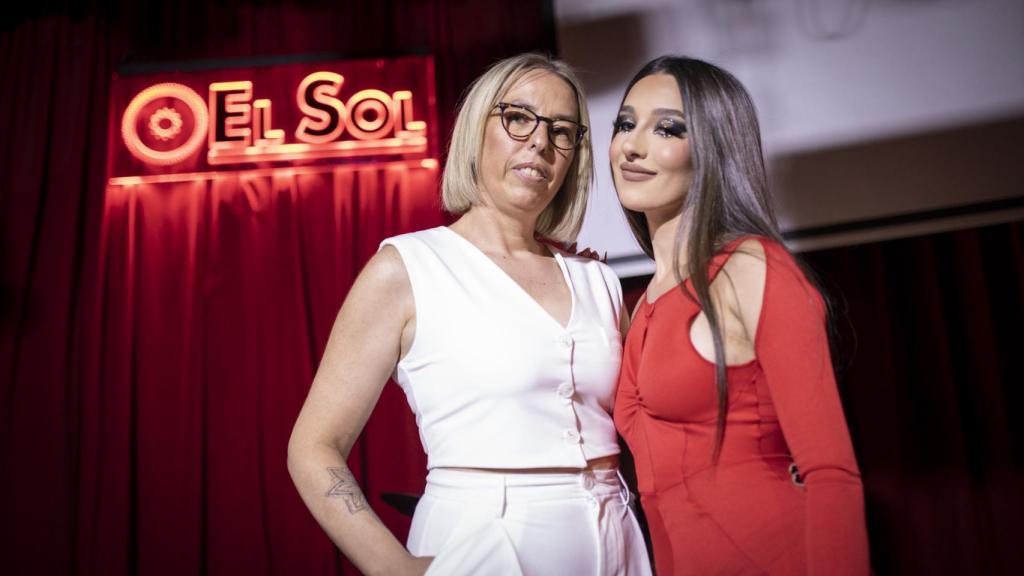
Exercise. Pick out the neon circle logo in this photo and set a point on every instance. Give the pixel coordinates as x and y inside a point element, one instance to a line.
<point>165,124</point>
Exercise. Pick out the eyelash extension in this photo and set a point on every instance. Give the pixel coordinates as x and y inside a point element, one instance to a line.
<point>673,128</point>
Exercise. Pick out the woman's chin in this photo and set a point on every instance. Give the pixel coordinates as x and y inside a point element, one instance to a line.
<point>637,204</point>
<point>647,205</point>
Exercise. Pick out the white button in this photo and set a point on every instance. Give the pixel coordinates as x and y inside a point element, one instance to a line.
<point>565,340</point>
<point>565,390</point>
<point>571,437</point>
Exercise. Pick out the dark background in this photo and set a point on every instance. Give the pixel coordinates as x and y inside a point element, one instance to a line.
<point>155,347</point>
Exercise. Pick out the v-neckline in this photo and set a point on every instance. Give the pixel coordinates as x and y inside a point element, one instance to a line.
<point>472,248</point>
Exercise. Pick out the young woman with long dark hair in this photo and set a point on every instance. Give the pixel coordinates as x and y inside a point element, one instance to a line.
<point>727,396</point>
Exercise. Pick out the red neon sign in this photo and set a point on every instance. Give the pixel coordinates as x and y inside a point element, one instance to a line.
<point>334,112</point>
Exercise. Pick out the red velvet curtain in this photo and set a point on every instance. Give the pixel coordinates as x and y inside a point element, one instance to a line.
<point>216,300</point>
<point>158,340</point>
<point>932,349</point>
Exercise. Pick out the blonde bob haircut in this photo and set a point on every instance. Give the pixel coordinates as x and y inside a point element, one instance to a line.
<point>562,218</point>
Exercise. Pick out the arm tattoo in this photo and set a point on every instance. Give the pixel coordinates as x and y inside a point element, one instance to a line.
<point>345,487</point>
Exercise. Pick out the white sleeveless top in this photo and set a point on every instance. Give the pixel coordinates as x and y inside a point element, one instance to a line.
<point>494,380</point>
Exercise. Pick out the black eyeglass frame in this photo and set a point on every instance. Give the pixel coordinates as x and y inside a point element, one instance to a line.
<point>502,106</point>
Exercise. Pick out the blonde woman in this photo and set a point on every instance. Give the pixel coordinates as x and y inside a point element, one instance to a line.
<point>507,349</point>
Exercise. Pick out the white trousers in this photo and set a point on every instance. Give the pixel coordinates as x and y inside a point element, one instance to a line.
<point>488,523</point>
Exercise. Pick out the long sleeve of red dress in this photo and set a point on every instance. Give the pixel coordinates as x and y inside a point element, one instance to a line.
<point>792,348</point>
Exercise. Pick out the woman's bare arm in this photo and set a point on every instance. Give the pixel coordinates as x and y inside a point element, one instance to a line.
<point>370,333</point>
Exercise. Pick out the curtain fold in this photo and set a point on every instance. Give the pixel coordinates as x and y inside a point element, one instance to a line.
<point>218,298</point>
<point>932,381</point>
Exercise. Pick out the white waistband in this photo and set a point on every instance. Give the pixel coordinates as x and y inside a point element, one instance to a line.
<point>517,487</point>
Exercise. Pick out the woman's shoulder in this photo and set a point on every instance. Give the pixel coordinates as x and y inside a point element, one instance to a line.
<point>743,262</point>
<point>428,236</point>
<point>757,255</point>
<point>385,273</point>
<point>586,257</point>
<point>762,268</point>
<point>587,262</point>
<point>758,266</point>
<point>570,251</point>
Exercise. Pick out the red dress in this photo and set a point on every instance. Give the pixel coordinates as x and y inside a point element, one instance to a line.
<point>748,515</point>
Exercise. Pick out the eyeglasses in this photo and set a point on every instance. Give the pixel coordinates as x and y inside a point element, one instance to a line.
<point>520,123</point>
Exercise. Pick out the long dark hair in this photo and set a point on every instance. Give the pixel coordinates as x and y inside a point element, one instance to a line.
<point>728,198</point>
